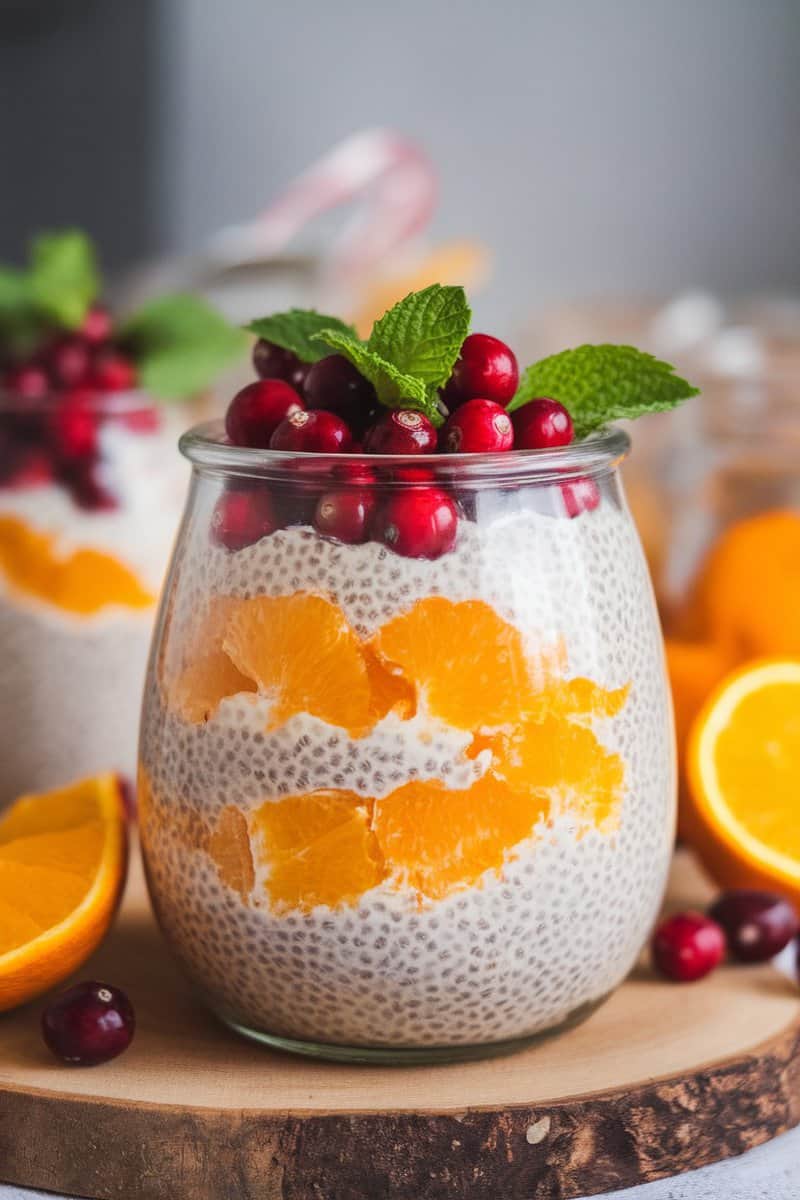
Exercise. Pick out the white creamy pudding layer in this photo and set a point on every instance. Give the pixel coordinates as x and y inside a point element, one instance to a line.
<point>520,949</point>
<point>72,682</point>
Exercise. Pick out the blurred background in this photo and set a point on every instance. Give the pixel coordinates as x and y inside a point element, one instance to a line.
<point>621,149</point>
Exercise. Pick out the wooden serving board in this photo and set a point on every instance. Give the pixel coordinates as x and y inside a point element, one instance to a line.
<point>661,1079</point>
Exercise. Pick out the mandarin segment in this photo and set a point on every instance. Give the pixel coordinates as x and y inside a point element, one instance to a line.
<point>566,760</point>
<point>82,582</point>
<point>301,652</point>
<point>437,841</point>
<point>319,849</point>
<point>469,665</point>
<point>229,847</point>
<point>195,672</point>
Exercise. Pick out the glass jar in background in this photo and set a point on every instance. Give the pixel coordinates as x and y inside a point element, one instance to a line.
<point>90,498</point>
<point>406,767</point>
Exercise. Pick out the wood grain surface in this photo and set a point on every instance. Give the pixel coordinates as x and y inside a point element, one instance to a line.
<point>661,1079</point>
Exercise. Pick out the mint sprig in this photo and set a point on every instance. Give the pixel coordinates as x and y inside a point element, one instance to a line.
<point>423,334</point>
<point>64,278</point>
<point>603,383</point>
<point>57,288</point>
<point>180,344</point>
<point>411,350</point>
<point>394,388</point>
<point>296,330</point>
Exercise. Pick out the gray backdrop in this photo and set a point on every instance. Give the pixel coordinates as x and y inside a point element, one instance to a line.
<point>597,145</point>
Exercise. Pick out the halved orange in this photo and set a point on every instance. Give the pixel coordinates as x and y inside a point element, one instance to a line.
<point>62,867</point>
<point>744,777</point>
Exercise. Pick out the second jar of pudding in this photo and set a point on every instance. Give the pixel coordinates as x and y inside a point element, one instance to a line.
<point>406,769</point>
<point>90,498</point>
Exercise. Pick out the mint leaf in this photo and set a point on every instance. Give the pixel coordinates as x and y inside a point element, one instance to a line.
<point>180,344</point>
<point>394,388</point>
<point>296,330</point>
<point>64,278</point>
<point>14,292</point>
<point>603,383</point>
<point>423,334</point>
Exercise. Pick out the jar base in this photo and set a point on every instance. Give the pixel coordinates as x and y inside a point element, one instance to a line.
<point>398,1056</point>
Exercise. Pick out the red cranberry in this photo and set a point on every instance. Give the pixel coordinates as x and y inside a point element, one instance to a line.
<point>273,362</point>
<point>67,361</point>
<point>757,924</point>
<point>413,474</point>
<point>97,325</point>
<point>24,466</point>
<point>485,367</point>
<point>257,410</point>
<point>401,431</point>
<point>87,489</point>
<point>345,515</point>
<point>73,425</point>
<point>478,426</point>
<point>335,384</point>
<point>88,1024</point>
<point>243,516</point>
<point>127,792</point>
<point>354,471</point>
<point>146,419</point>
<point>113,372</point>
<point>27,382</point>
<point>580,495</point>
<point>542,424</point>
<point>316,431</point>
<point>687,946</point>
<point>418,523</point>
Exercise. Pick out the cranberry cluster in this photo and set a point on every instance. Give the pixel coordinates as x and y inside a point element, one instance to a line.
<point>51,406</point>
<point>328,407</point>
<point>751,926</point>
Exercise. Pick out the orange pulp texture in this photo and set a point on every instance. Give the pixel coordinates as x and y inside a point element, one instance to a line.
<point>62,867</point>
<point>745,747</point>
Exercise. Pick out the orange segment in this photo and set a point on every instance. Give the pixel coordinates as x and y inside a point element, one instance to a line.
<point>62,867</point>
<point>319,848</point>
<point>195,672</point>
<point>229,847</point>
<point>565,760</point>
<point>748,591</point>
<point>744,774</point>
<point>438,841</point>
<point>469,664</point>
<point>300,650</point>
<point>80,581</point>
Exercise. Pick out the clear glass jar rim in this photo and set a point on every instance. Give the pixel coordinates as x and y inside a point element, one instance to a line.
<point>206,447</point>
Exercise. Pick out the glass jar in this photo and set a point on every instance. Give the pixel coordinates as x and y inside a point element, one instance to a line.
<point>408,798</point>
<point>90,497</point>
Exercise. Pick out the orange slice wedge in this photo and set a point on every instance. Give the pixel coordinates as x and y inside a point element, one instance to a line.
<point>62,866</point>
<point>744,777</point>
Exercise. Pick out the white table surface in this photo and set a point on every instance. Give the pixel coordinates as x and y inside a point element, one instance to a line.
<point>771,1172</point>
